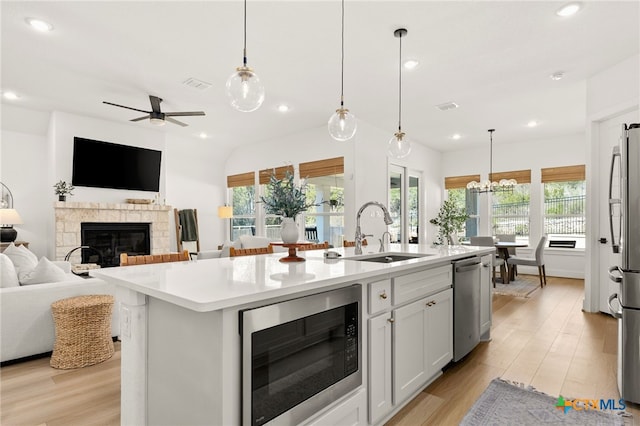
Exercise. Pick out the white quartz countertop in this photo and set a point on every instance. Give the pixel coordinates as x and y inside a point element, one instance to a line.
<point>213,284</point>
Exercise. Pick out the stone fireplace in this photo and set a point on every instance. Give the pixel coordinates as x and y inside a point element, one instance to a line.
<point>70,217</point>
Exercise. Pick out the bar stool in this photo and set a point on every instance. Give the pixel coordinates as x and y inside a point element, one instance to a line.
<point>83,331</point>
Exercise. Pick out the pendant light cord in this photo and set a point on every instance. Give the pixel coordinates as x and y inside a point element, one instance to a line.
<point>490,155</point>
<point>400,87</point>
<point>244,50</point>
<point>342,61</point>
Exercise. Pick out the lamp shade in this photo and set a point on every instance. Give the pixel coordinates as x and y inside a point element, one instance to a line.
<point>225,212</point>
<point>10,217</point>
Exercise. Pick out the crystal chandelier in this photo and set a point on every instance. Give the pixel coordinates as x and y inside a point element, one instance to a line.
<point>504,185</point>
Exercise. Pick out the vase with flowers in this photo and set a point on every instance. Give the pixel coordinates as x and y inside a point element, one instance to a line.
<point>62,189</point>
<point>285,198</point>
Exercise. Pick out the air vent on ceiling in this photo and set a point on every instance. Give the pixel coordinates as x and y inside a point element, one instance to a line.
<point>447,106</point>
<point>196,84</point>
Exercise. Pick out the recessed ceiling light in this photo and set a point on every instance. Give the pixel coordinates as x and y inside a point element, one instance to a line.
<point>568,9</point>
<point>447,106</point>
<point>203,135</point>
<point>283,108</point>
<point>456,136</point>
<point>10,96</point>
<point>39,24</point>
<point>532,123</point>
<point>410,64</point>
<point>557,76</point>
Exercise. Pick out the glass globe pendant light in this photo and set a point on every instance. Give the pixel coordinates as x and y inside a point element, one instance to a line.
<point>399,145</point>
<point>343,124</point>
<point>244,89</point>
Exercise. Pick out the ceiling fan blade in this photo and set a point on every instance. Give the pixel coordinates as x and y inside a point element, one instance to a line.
<point>140,118</point>
<point>177,114</point>
<point>171,120</point>
<point>122,106</point>
<point>155,103</point>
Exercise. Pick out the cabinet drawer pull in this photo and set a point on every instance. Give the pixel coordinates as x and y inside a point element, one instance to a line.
<point>431,303</point>
<point>383,295</point>
<point>391,320</point>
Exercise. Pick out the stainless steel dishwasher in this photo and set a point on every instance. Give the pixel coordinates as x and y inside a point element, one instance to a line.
<point>466,306</point>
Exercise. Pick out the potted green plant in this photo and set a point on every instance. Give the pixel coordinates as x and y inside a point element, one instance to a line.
<point>63,188</point>
<point>450,220</point>
<point>285,198</point>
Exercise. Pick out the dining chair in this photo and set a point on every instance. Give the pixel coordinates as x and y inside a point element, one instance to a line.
<point>318,246</point>
<point>346,243</point>
<point>144,259</point>
<point>234,252</point>
<point>509,238</point>
<point>497,260</point>
<point>538,261</point>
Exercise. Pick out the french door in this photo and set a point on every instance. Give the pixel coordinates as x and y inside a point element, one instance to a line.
<point>404,204</point>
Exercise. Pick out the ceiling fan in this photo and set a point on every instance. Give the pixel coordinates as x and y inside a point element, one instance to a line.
<point>156,116</point>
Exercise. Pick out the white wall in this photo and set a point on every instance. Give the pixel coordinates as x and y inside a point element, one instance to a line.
<point>366,168</point>
<point>196,180</point>
<point>23,159</point>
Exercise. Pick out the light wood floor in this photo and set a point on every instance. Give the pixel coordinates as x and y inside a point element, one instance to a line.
<point>545,340</point>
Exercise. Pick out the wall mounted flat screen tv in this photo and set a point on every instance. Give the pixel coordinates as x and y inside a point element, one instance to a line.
<point>108,165</point>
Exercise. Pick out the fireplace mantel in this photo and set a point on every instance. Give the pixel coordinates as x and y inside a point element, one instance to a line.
<point>69,216</point>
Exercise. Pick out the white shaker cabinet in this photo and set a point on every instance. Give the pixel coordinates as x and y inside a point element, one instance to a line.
<point>379,366</point>
<point>423,342</point>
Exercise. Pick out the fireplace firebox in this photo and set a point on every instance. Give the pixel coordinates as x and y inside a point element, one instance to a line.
<point>112,239</point>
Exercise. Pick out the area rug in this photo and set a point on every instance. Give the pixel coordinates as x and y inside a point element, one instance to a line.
<point>523,286</point>
<point>504,403</point>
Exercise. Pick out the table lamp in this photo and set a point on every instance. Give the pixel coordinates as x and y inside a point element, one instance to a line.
<point>8,218</point>
<point>225,212</point>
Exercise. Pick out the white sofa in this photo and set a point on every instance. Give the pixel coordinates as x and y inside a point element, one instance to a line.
<point>244,241</point>
<point>26,322</point>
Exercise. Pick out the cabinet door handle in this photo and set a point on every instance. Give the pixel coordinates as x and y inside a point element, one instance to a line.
<point>383,295</point>
<point>391,320</point>
<point>431,303</point>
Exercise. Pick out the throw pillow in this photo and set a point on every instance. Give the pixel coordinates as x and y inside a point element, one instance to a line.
<point>23,259</point>
<point>44,272</point>
<point>8,274</point>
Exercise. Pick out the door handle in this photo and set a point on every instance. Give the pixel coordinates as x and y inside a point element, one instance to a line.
<point>615,312</point>
<point>613,277</point>
<point>603,240</point>
<point>616,154</point>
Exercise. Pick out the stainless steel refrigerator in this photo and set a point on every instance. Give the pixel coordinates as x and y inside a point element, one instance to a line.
<point>626,224</point>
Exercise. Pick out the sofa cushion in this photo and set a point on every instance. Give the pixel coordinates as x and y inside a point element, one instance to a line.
<point>250,241</point>
<point>8,274</point>
<point>23,259</point>
<point>44,272</point>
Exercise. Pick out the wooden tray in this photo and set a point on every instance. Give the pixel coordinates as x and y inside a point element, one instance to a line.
<point>138,201</point>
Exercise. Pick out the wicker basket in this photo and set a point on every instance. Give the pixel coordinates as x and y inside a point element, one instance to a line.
<point>83,331</point>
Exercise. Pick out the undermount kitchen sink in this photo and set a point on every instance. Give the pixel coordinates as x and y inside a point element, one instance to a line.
<point>388,257</point>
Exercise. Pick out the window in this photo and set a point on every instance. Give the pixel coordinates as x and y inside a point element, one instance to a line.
<point>564,203</point>
<point>243,196</point>
<point>272,222</point>
<point>404,204</point>
<point>456,187</point>
<point>510,210</point>
<point>325,186</point>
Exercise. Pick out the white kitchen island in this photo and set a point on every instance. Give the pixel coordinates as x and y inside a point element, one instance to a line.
<point>181,345</point>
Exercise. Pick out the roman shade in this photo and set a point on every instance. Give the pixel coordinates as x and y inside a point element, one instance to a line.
<point>522,176</point>
<point>280,173</point>
<point>456,182</point>
<point>563,174</point>
<point>243,179</point>
<point>328,167</point>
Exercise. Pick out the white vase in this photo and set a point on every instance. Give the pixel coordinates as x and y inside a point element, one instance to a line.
<point>289,230</point>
